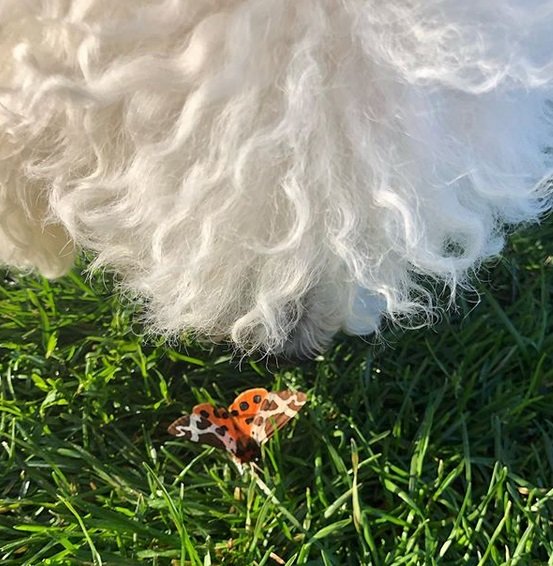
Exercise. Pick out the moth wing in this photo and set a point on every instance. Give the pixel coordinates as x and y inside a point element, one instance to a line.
<point>276,410</point>
<point>245,409</point>
<point>196,428</point>
<point>217,415</point>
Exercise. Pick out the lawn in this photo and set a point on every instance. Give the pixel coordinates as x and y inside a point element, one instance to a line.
<point>430,446</point>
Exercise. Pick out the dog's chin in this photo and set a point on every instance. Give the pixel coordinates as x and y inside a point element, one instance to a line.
<point>273,172</point>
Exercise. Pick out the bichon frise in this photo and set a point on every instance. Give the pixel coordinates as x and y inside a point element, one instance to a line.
<point>272,171</point>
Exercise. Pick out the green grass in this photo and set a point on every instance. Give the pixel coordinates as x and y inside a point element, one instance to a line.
<point>433,448</point>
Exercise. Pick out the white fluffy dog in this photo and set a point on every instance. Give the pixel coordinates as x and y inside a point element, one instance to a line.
<point>272,171</point>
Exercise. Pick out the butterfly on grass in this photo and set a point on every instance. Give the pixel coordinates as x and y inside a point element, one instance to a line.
<point>254,416</point>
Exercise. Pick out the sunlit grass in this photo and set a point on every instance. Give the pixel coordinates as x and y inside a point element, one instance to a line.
<point>434,448</point>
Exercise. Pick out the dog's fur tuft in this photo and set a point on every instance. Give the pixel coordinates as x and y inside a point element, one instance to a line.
<point>270,171</point>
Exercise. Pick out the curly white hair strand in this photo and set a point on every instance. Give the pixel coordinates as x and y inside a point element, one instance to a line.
<point>270,171</point>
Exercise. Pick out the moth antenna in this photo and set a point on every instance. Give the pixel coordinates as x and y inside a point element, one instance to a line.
<point>274,499</point>
<point>254,468</point>
<point>239,466</point>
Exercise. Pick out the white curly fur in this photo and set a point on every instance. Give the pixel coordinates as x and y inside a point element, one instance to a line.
<point>270,171</point>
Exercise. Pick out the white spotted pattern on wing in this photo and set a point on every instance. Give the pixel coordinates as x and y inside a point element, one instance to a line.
<point>197,429</point>
<point>284,406</point>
